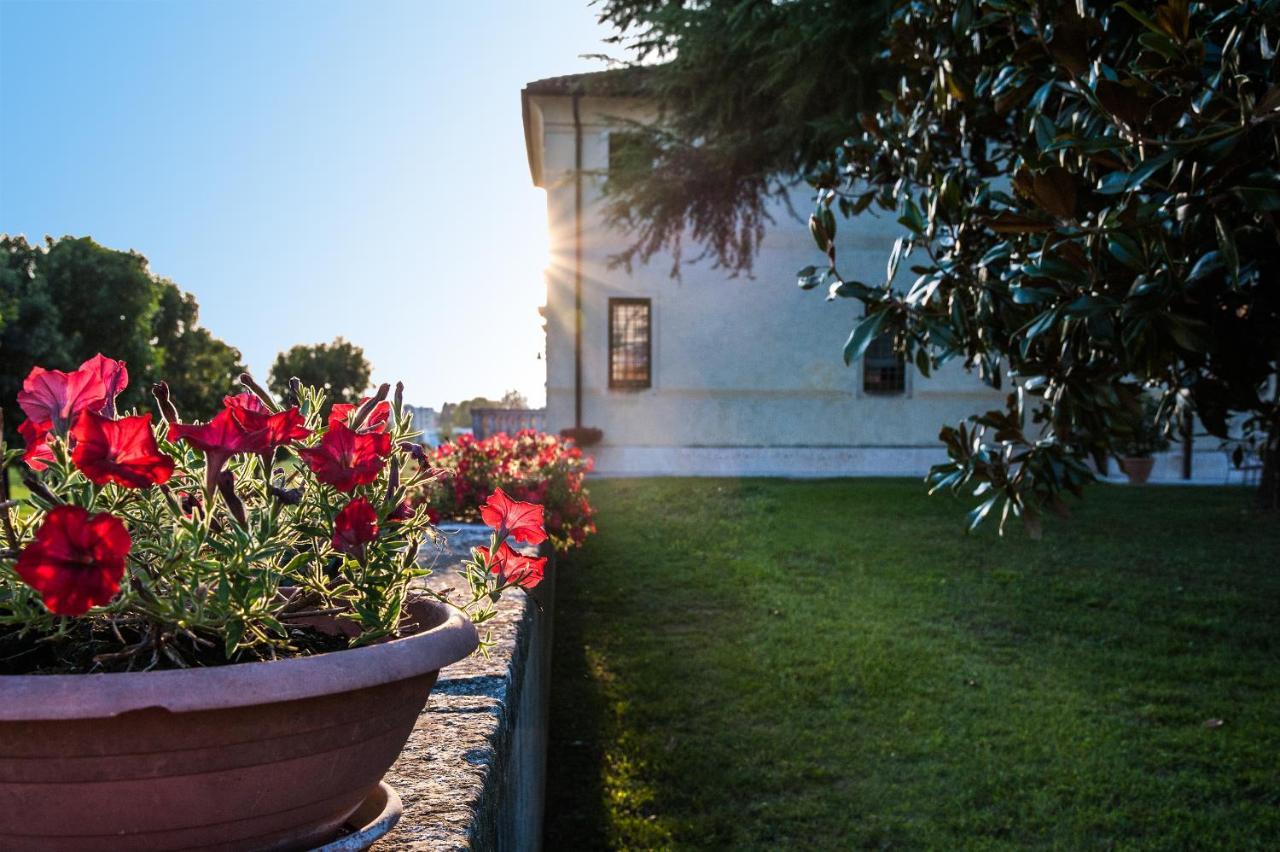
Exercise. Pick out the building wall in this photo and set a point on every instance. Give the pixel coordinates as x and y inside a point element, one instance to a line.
<point>747,375</point>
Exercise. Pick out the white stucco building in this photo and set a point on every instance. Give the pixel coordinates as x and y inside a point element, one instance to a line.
<point>710,374</point>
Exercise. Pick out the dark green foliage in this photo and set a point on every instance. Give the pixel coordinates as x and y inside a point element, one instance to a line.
<point>1089,194</point>
<point>338,368</point>
<point>199,368</point>
<point>72,298</point>
<point>753,93</point>
<point>1091,202</point>
<point>29,323</point>
<point>457,415</point>
<point>754,664</point>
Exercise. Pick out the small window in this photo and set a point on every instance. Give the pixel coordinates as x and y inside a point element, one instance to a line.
<point>629,343</point>
<point>883,370</point>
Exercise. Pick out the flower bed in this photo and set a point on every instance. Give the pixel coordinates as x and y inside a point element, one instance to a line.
<point>531,466</point>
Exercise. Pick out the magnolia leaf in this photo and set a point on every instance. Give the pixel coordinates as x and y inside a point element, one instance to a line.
<point>1227,245</point>
<point>1055,189</point>
<point>863,333</point>
<point>979,512</point>
<point>848,290</point>
<point>1208,263</point>
<point>1126,250</point>
<point>1030,295</point>
<point>811,277</point>
<point>911,217</point>
<point>1012,223</point>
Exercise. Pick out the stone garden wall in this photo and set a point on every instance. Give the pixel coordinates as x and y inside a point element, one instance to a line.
<point>472,774</point>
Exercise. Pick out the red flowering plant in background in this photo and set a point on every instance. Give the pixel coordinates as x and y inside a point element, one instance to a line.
<point>531,466</point>
<point>151,542</point>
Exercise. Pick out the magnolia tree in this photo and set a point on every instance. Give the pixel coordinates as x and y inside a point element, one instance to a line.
<point>1089,196</point>
<point>1088,192</point>
<point>147,543</point>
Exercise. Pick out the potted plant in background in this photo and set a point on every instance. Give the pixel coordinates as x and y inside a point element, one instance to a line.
<point>1146,438</point>
<point>209,632</point>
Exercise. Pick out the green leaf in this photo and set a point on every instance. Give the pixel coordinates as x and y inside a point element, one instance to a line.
<point>1023,295</point>
<point>863,333</point>
<point>1147,169</point>
<point>979,512</point>
<point>911,217</point>
<point>811,277</point>
<point>1113,183</point>
<point>1045,132</point>
<point>1037,327</point>
<point>1227,245</point>
<point>1208,263</point>
<point>849,290</point>
<point>1126,250</point>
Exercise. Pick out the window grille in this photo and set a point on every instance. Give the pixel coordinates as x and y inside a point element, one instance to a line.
<point>883,370</point>
<point>630,345</point>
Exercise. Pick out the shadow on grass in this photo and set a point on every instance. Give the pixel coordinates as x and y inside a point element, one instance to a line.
<point>576,817</point>
<point>834,665</point>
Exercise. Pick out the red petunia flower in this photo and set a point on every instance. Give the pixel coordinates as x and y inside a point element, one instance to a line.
<point>36,435</point>
<point>219,440</point>
<point>76,560</point>
<point>56,397</point>
<point>376,421</point>
<point>121,451</point>
<point>513,566</point>
<point>355,526</point>
<point>265,431</point>
<point>114,377</point>
<point>345,459</point>
<point>513,517</point>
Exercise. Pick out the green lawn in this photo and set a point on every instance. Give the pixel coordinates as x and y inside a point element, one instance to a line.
<point>760,664</point>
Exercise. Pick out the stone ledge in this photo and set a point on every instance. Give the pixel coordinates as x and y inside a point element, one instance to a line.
<point>472,773</point>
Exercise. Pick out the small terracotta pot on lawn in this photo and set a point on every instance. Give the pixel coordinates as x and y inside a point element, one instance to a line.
<point>1137,468</point>
<point>268,755</point>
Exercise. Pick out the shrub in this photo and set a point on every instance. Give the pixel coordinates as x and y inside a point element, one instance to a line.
<point>532,466</point>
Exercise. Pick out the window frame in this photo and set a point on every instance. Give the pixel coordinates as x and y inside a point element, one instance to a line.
<point>614,344</point>
<point>867,365</point>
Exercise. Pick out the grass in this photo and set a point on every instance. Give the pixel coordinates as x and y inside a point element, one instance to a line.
<point>760,664</point>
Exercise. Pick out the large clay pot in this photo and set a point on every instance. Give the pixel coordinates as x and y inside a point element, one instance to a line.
<point>1137,468</point>
<point>272,755</point>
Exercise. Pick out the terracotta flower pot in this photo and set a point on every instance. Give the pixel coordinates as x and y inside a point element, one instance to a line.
<point>1137,468</point>
<point>273,755</point>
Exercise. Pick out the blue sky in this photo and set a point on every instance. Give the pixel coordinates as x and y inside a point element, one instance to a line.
<point>307,169</point>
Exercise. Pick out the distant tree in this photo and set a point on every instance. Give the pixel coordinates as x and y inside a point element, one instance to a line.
<point>30,332</point>
<point>457,415</point>
<point>106,302</point>
<point>513,399</point>
<point>71,298</point>
<point>339,367</point>
<point>199,368</point>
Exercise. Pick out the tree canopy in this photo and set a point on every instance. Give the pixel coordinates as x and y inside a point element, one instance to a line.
<point>72,298</point>
<point>340,368</point>
<point>1088,194</point>
<point>752,94</point>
